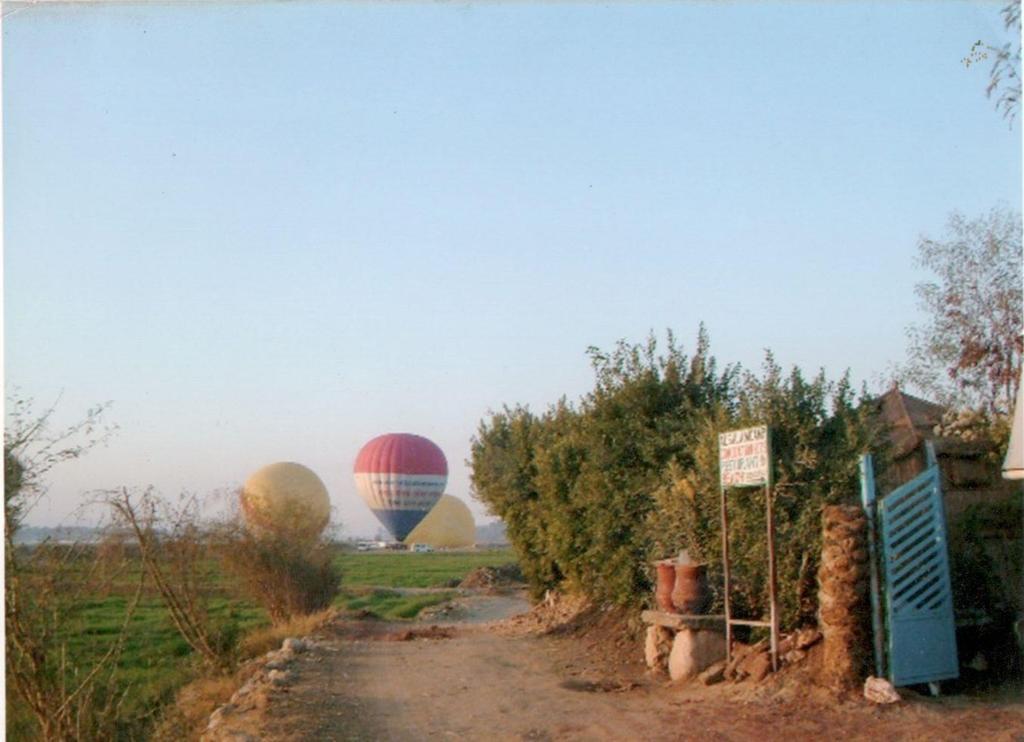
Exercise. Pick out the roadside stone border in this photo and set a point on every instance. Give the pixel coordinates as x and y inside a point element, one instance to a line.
<point>232,721</point>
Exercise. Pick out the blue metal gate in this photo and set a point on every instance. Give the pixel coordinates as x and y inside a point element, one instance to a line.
<point>918,597</point>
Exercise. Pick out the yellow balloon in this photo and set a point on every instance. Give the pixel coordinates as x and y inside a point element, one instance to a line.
<point>449,525</point>
<point>286,500</point>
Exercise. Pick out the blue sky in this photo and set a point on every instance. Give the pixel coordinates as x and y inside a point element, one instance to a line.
<point>273,231</point>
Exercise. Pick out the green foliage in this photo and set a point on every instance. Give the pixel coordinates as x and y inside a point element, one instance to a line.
<point>982,567</point>
<point>504,469</point>
<point>591,493</point>
<point>818,432</point>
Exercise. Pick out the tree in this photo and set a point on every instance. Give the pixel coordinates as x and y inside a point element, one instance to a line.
<point>1004,77</point>
<point>968,352</point>
<point>31,449</point>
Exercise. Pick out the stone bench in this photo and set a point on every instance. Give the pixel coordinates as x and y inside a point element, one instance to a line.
<point>683,645</point>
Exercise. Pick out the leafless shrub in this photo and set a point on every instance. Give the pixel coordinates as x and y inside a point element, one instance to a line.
<point>43,592</point>
<point>67,699</point>
<point>289,578</point>
<point>173,547</point>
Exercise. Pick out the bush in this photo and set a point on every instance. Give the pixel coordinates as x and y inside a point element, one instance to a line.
<point>818,434</point>
<point>287,577</point>
<point>592,493</point>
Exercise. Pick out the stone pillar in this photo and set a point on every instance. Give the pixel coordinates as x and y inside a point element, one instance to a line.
<point>843,604</point>
<point>693,651</point>
<point>657,647</point>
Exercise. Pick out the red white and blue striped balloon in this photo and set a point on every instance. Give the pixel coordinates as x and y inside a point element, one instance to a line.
<point>401,476</point>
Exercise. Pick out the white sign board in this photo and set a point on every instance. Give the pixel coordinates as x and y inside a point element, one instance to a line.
<point>744,458</point>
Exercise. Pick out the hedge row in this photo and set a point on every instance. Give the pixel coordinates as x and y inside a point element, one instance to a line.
<point>591,492</point>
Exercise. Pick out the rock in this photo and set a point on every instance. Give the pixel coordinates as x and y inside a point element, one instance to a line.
<point>805,638</point>
<point>234,735</point>
<point>793,656</point>
<point>739,653</point>
<point>749,657</point>
<point>296,646</point>
<point>217,717</point>
<point>279,677</point>
<point>657,647</point>
<point>693,651</point>
<point>787,644</point>
<point>880,690</point>
<point>759,666</point>
<point>714,674</point>
<point>239,695</point>
<point>742,650</point>
<point>978,663</point>
<point>731,668</point>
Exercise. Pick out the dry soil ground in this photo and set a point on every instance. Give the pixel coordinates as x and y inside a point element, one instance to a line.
<point>369,680</point>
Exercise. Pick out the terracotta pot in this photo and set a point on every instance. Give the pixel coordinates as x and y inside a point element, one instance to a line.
<point>690,593</point>
<point>666,582</point>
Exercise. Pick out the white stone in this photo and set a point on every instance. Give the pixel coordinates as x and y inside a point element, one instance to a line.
<point>248,687</point>
<point>978,663</point>
<point>279,677</point>
<point>657,646</point>
<point>880,690</point>
<point>217,717</point>
<point>693,651</point>
<point>293,645</point>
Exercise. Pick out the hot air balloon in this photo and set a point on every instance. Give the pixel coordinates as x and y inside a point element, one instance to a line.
<point>286,500</point>
<point>401,477</point>
<point>449,525</point>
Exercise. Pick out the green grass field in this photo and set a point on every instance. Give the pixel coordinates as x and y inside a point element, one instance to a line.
<point>366,577</point>
<point>156,661</point>
<point>408,569</point>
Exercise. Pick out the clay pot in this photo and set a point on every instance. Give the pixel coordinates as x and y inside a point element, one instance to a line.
<point>690,593</point>
<point>666,574</point>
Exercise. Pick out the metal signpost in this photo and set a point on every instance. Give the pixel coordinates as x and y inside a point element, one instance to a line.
<point>745,460</point>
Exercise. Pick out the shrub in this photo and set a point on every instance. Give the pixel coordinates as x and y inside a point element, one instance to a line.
<point>288,578</point>
<point>592,492</point>
<point>818,433</point>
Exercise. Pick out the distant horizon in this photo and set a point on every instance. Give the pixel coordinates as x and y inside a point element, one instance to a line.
<point>97,529</point>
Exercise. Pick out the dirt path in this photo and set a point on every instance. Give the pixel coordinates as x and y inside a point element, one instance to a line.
<point>375,681</point>
<point>477,609</point>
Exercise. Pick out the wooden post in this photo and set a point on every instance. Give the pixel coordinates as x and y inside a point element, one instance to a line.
<point>773,616</point>
<point>867,497</point>
<point>725,567</point>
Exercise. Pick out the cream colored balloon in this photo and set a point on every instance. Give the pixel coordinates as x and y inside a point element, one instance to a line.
<point>286,500</point>
<point>448,525</point>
